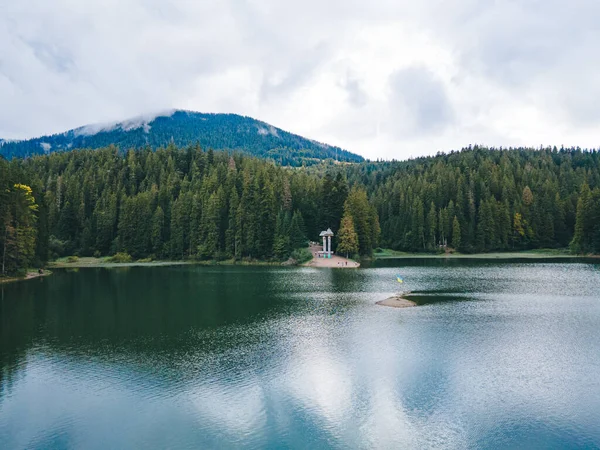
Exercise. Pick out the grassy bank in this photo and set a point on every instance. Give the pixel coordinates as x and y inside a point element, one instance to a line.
<point>532,254</point>
<point>298,257</point>
<point>75,262</point>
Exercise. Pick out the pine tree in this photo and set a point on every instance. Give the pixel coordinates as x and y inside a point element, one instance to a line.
<point>267,218</point>
<point>456,234</point>
<point>325,205</point>
<point>518,229</point>
<point>580,242</point>
<point>443,226</point>
<point>363,214</point>
<point>177,238</point>
<point>239,231</point>
<point>418,225</point>
<point>281,241</point>
<point>194,226</point>
<point>297,231</point>
<point>156,236</point>
<point>375,228</point>
<point>286,196</point>
<point>337,199</point>
<point>527,196</point>
<point>485,227</point>
<point>43,236</point>
<point>230,236</point>
<point>19,230</point>
<point>432,226</point>
<point>210,224</point>
<point>595,221</point>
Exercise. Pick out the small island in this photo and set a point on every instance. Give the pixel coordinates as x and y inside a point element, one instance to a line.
<point>397,301</point>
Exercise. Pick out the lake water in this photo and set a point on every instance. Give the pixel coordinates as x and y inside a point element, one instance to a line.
<point>496,355</point>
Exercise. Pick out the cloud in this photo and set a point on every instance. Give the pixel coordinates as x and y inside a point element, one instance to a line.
<point>278,83</point>
<point>418,102</point>
<point>357,95</point>
<point>384,78</point>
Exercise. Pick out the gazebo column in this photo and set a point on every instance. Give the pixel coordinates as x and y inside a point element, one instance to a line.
<point>324,245</point>
<point>329,245</point>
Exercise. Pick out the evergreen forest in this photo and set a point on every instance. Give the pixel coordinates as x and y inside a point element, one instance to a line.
<point>482,200</point>
<point>183,128</point>
<point>195,204</point>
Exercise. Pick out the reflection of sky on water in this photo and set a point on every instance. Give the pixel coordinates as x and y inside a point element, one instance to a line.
<point>517,363</point>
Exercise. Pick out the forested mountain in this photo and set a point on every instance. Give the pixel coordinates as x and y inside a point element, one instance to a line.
<point>195,204</point>
<point>183,128</point>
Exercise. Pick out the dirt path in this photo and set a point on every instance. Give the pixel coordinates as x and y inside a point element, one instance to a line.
<point>334,261</point>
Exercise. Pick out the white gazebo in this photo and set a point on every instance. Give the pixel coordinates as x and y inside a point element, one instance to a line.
<point>326,235</point>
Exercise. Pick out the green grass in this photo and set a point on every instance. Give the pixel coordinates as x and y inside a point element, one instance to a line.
<point>389,253</point>
<point>106,261</point>
<point>550,251</point>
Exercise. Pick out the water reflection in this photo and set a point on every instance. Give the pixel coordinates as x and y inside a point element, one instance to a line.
<point>496,355</point>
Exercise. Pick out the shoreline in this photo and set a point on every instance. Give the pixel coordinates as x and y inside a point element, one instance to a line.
<point>28,276</point>
<point>397,301</point>
<point>90,262</point>
<point>101,262</point>
<point>496,255</point>
<point>97,262</point>
<point>335,262</point>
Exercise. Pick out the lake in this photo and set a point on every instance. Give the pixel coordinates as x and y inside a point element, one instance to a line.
<point>495,355</point>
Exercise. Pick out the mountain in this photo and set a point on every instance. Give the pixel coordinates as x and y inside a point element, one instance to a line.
<point>183,128</point>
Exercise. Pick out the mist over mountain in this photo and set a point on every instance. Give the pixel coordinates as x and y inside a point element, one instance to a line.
<point>184,128</point>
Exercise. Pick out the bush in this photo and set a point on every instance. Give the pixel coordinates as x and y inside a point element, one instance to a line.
<point>72,259</point>
<point>121,257</point>
<point>97,254</point>
<point>56,247</point>
<point>221,256</point>
<point>145,260</point>
<point>301,255</point>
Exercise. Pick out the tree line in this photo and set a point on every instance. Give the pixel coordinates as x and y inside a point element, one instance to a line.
<point>176,204</point>
<point>194,204</point>
<point>485,199</point>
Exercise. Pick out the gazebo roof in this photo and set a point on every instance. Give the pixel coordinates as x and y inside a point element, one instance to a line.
<point>326,233</point>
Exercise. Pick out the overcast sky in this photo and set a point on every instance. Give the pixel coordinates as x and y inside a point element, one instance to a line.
<point>382,78</point>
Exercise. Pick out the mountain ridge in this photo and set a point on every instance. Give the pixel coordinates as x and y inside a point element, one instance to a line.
<point>184,128</point>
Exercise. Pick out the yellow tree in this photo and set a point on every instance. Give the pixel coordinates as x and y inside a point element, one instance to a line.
<point>348,239</point>
<point>518,228</point>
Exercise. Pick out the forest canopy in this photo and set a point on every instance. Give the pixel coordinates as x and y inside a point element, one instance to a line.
<point>195,204</point>
<point>481,200</point>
